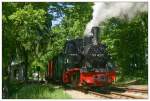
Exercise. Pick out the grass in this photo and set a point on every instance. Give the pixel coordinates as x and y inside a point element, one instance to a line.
<point>38,91</point>
<point>13,87</point>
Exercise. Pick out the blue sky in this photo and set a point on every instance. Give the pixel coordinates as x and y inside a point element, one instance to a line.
<point>57,21</point>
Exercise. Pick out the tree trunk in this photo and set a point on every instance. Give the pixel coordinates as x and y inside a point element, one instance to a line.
<point>26,64</point>
<point>9,70</point>
<point>38,75</point>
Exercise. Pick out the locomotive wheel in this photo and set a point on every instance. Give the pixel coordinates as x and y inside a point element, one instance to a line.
<point>74,80</point>
<point>85,86</point>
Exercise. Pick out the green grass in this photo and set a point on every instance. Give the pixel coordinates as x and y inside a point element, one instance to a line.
<point>37,91</point>
<point>13,87</point>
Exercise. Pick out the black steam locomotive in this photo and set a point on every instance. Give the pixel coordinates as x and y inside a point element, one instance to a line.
<point>84,61</point>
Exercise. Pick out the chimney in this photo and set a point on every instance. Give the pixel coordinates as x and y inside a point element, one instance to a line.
<point>95,31</point>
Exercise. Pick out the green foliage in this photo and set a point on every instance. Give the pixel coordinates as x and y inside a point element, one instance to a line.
<point>25,22</point>
<point>24,26</point>
<point>9,44</point>
<point>127,43</point>
<point>76,19</point>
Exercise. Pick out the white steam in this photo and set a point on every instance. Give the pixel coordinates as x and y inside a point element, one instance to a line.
<point>102,11</point>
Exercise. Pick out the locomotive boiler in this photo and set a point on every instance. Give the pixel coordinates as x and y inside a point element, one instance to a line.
<point>84,61</point>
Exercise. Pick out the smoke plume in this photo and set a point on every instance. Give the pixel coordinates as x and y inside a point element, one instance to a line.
<point>105,10</point>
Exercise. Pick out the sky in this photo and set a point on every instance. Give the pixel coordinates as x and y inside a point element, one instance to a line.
<point>56,22</point>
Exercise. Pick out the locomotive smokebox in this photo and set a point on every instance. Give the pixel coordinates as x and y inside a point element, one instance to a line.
<point>95,31</point>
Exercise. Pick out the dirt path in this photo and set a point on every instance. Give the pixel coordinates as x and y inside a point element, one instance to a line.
<point>144,87</point>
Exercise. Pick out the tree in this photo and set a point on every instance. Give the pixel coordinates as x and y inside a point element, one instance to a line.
<point>8,40</point>
<point>127,43</point>
<point>24,25</point>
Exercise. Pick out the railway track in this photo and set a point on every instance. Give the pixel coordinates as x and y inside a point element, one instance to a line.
<point>115,95</point>
<point>128,95</point>
<point>129,89</point>
<point>136,90</point>
<point>122,95</point>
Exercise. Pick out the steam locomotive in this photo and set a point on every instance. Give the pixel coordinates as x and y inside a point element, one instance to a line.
<point>84,61</point>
